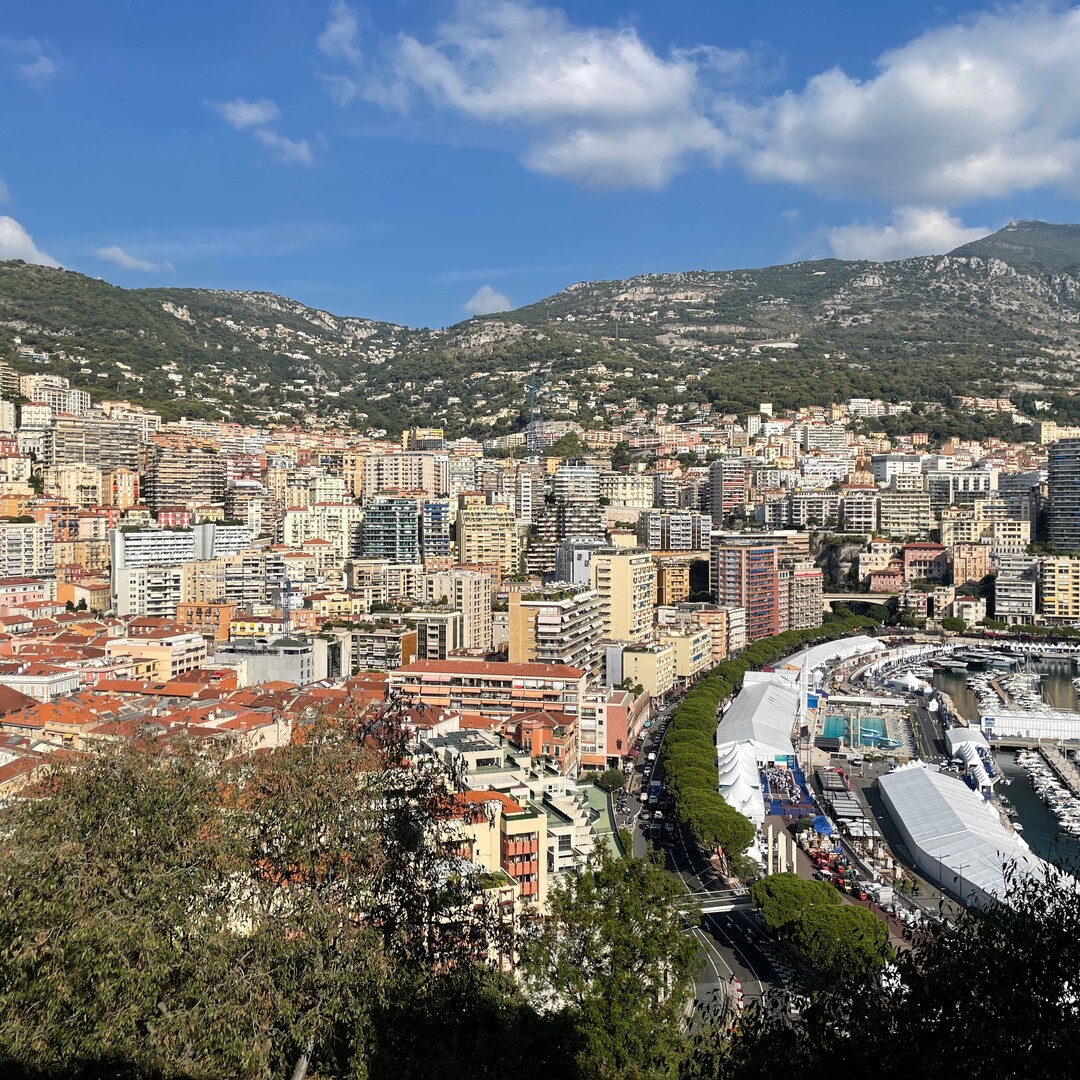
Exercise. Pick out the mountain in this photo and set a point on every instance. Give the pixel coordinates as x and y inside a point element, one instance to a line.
<point>1000,316</point>
<point>1031,246</point>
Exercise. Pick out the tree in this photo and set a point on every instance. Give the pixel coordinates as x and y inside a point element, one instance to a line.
<point>989,986</point>
<point>613,957</point>
<point>611,780</point>
<point>188,911</point>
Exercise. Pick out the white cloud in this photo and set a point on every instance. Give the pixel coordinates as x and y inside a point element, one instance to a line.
<point>122,258</point>
<point>341,88</point>
<point>914,230</point>
<point>599,104</point>
<point>246,114</point>
<point>256,117</point>
<point>338,39</point>
<point>36,66</point>
<point>17,243</point>
<point>979,109</point>
<point>289,151</point>
<point>486,300</point>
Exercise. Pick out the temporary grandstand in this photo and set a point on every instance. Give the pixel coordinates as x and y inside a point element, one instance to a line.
<point>954,836</point>
<point>755,732</point>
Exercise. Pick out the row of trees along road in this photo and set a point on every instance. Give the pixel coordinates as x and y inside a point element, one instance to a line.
<point>689,752</point>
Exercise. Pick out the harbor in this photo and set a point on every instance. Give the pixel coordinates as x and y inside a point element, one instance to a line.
<point>1042,797</point>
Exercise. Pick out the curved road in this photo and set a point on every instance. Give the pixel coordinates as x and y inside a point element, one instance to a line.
<point>731,943</point>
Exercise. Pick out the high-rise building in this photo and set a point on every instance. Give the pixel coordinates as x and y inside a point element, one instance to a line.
<point>486,534</point>
<point>423,438</point>
<point>1063,494</point>
<point>1016,588</point>
<point>391,530</point>
<point>625,580</point>
<point>557,626</point>
<point>92,440</point>
<point>26,549</point>
<point>439,632</point>
<point>412,470</point>
<point>576,483</point>
<point>435,521</point>
<point>747,576</point>
<point>469,592</point>
<point>727,488</point>
<point>674,530</point>
<point>184,477</point>
<point>805,605</point>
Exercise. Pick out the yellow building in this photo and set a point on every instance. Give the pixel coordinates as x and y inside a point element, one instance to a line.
<point>672,581</point>
<point>650,666</point>
<point>557,627</point>
<point>693,651</point>
<point>507,837</point>
<point>1060,581</point>
<point>487,534</point>
<point>625,580</point>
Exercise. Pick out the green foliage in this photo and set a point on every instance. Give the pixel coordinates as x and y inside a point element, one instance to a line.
<point>613,960</point>
<point>835,940</point>
<point>841,941</point>
<point>783,899</point>
<point>611,780</point>
<point>954,625</point>
<point>987,991</point>
<point>193,913</point>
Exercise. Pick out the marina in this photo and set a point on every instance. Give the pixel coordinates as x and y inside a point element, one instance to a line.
<point>1040,805</point>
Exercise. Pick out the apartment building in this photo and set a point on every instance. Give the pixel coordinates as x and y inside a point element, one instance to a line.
<point>557,626</point>
<point>487,533</point>
<point>191,476</point>
<point>1059,586</point>
<point>469,592</point>
<point>693,651</point>
<point>27,549</point>
<point>626,581</point>
<point>805,591</point>
<point>652,667</point>
<point>747,576</point>
<point>421,471</point>
<point>390,530</point>
<point>499,690</point>
<point>674,530</point>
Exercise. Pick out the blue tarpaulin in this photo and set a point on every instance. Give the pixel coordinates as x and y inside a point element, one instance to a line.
<point>822,826</point>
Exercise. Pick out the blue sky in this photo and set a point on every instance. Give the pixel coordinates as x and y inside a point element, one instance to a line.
<point>418,161</point>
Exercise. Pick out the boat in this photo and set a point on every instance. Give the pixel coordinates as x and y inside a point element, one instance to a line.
<point>1017,826</point>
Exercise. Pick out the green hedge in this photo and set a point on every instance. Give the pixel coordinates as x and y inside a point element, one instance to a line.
<point>689,747</point>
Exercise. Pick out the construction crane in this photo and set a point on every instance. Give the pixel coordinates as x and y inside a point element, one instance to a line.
<point>534,442</point>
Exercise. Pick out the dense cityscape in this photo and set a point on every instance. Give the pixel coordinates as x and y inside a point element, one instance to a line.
<point>668,674</point>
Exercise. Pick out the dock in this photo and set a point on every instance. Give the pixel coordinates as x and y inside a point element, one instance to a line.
<point>1067,771</point>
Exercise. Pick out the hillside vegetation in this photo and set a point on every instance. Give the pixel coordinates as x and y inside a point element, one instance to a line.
<point>1000,316</point>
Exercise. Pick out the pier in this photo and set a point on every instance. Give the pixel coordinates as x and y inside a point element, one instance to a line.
<point>1068,772</point>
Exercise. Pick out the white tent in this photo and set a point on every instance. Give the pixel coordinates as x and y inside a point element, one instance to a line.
<point>954,835</point>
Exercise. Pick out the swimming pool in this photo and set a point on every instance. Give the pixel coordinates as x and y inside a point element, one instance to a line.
<point>855,730</point>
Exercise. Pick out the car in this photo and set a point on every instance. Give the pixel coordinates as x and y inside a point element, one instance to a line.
<point>645,795</point>
<point>652,757</point>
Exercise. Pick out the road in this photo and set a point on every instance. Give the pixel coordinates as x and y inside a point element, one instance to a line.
<point>929,734</point>
<point>730,943</point>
